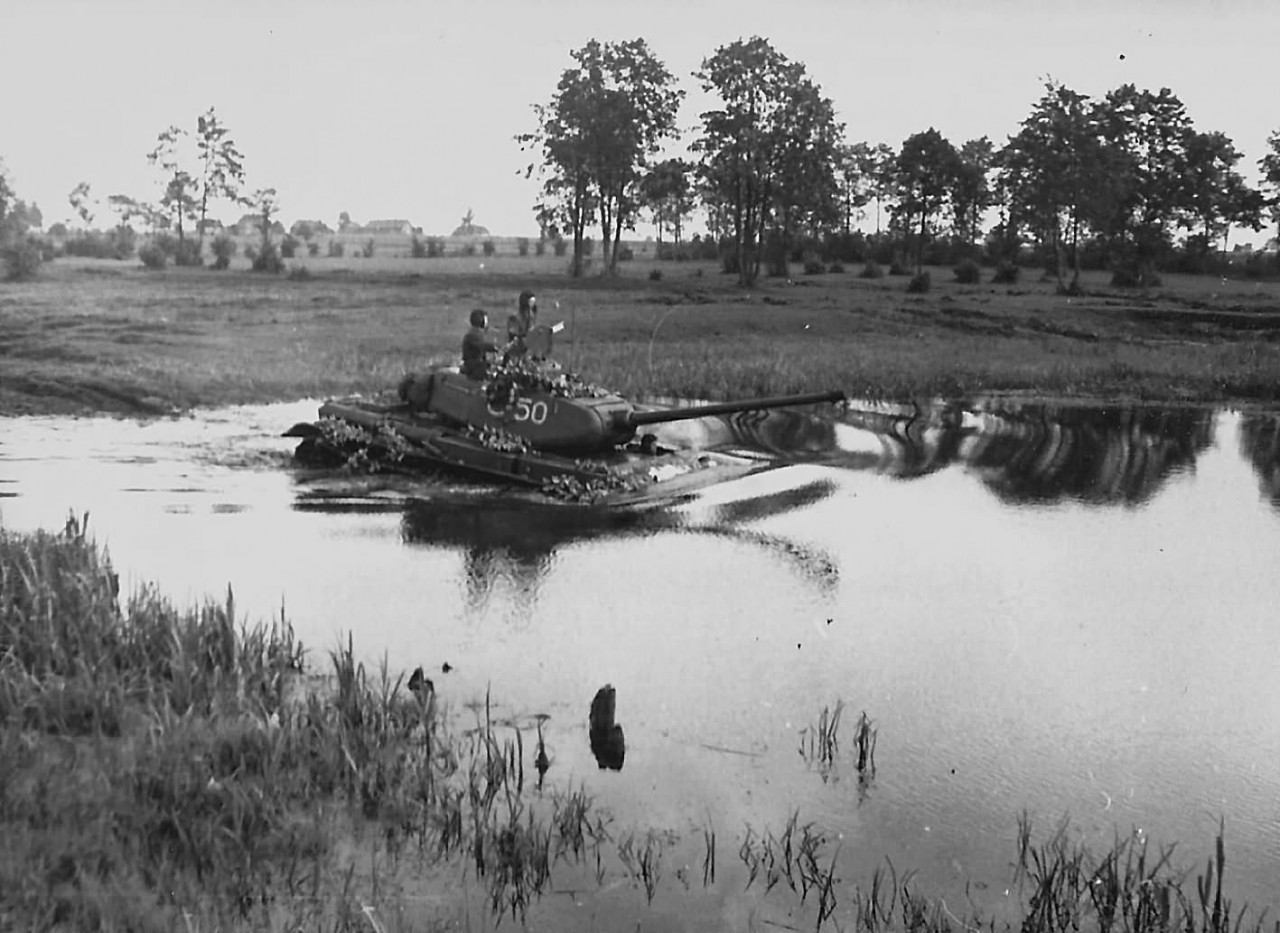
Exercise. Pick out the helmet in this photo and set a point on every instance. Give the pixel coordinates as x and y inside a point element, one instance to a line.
<point>528,301</point>
<point>479,318</point>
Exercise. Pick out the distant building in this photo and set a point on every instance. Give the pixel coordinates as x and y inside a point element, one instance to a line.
<point>251,225</point>
<point>388,226</point>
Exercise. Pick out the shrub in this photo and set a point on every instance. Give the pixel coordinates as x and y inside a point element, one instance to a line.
<point>871,270</point>
<point>1006,273</point>
<point>920,283</point>
<point>22,258</point>
<point>655,275</point>
<point>367,250</point>
<point>435,247</point>
<point>588,246</point>
<point>626,254</point>
<point>468,249</point>
<point>250,252</point>
<point>223,249</point>
<point>417,248</point>
<point>289,246</point>
<point>153,255</point>
<point>187,253</point>
<point>968,272</point>
<point>560,245</point>
<point>522,246</point>
<point>337,249</point>
<point>1130,276</point>
<point>836,267</point>
<point>814,267</point>
<point>540,248</point>
<point>897,268</point>
<point>268,260</point>
<point>313,248</point>
<point>299,273</point>
<point>489,248</point>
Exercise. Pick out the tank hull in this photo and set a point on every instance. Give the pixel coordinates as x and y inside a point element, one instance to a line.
<point>400,437</point>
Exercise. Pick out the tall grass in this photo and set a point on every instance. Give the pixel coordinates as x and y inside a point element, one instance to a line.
<point>165,769</point>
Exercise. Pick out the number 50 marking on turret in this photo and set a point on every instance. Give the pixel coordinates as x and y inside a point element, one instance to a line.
<point>523,409</point>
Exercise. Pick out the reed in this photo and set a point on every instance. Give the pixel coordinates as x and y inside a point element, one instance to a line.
<point>819,743</point>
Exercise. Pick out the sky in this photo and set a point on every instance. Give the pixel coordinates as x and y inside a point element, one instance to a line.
<point>409,108</point>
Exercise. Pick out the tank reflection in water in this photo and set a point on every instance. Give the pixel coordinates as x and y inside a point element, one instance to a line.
<point>1042,607</point>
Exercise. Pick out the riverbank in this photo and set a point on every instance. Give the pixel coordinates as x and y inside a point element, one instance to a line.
<point>99,336</point>
<point>168,768</point>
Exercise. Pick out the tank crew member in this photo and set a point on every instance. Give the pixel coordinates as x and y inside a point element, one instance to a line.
<point>478,347</point>
<point>520,323</point>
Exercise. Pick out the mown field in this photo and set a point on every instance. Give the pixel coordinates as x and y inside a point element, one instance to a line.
<point>94,335</point>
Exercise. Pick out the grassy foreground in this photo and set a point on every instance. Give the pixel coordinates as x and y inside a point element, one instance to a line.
<point>173,770</point>
<point>102,336</point>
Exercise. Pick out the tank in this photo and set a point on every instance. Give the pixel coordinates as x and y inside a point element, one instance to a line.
<point>527,423</point>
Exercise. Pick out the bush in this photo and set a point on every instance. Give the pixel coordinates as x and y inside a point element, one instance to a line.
<point>268,260</point>
<point>522,246</point>
<point>367,250</point>
<point>337,249</point>
<point>1006,273</point>
<point>418,249</point>
<point>560,245</point>
<point>468,249</point>
<point>250,252</point>
<point>22,258</point>
<point>435,247</point>
<point>871,270</point>
<point>223,249</point>
<point>299,273</point>
<point>836,267</point>
<point>313,248</point>
<point>626,254</point>
<point>540,248</point>
<point>655,275</point>
<point>897,268</point>
<point>968,272</point>
<point>920,283</point>
<point>289,246</point>
<point>588,246</point>
<point>187,253</point>
<point>489,248</point>
<point>154,255</point>
<point>814,267</point>
<point>1130,276</point>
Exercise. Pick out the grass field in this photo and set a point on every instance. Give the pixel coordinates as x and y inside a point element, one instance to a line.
<point>98,335</point>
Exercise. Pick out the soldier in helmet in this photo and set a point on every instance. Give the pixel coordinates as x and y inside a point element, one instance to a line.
<point>520,323</point>
<point>478,347</point>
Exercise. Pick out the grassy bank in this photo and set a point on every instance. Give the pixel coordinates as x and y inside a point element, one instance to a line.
<point>168,769</point>
<point>102,336</point>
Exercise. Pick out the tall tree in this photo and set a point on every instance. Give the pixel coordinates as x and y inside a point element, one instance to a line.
<point>1052,173</point>
<point>927,168</point>
<point>180,198</point>
<point>609,116</point>
<point>972,193</point>
<point>1270,165</point>
<point>768,151</point>
<point>1145,136</point>
<point>1217,195</point>
<point>221,166</point>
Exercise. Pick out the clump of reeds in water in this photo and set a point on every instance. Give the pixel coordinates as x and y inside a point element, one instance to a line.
<point>820,744</point>
<point>864,740</point>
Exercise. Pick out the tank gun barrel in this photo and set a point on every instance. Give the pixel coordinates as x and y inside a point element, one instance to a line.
<point>637,418</point>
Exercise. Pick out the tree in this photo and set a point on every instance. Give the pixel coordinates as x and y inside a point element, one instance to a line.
<point>179,201</point>
<point>81,202</point>
<point>221,166</point>
<point>667,191</point>
<point>972,195</point>
<point>768,153</point>
<point>1144,137</point>
<point>1053,175</point>
<point>927,169</point>
<point>1217,196</point>
<point>607,119</point>
<point>1270,165</point>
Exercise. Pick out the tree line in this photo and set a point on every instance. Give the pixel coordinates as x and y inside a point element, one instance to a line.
<point>1115,178</point>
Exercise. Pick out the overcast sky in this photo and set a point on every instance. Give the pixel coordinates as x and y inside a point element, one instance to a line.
<point>408,108</point>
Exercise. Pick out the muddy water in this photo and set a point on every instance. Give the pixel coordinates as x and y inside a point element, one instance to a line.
<point>1057,609</point>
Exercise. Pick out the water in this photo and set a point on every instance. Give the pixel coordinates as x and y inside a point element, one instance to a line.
<point>1057,609</point>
